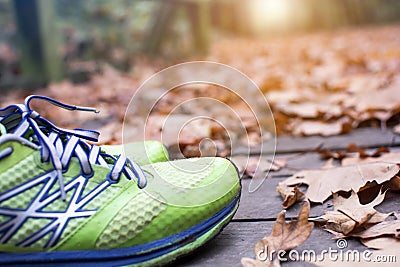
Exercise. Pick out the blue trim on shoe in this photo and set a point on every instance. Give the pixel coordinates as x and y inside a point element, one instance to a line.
<point>119,256</point>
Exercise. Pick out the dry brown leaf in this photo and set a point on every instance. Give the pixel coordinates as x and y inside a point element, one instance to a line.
<point>322,183</point>
<point>386,98</point>
<point>338,222</point>
<point>310,110</point>
<point>361,214</point>
<point>363,154</point>
<point>319,127</point>
<point>394,183</point>
<point>387,228</point>
<point>328,154</point>
<point>290,195</point>
<point>382,243</point>
<point>284,236</point>
<point>348,213</point>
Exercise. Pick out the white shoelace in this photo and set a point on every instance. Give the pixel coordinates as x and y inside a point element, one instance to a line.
<point>59,145</point>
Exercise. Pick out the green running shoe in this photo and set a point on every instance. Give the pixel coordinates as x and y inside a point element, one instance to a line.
<point>140,152</point>
<point>65,202</point>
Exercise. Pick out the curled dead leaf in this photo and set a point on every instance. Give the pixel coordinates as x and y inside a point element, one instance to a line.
<point>290,195</point>
<point>349,214</point>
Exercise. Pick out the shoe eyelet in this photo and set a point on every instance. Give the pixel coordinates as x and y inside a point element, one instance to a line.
<point>6,152</point>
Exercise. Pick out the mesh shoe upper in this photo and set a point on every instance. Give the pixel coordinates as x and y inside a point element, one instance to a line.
<point>93,200</point>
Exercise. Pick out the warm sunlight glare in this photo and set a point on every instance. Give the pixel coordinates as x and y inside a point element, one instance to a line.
<point>269,13</point>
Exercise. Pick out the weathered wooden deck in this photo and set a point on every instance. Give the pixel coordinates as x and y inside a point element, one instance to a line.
<point>258,210</point>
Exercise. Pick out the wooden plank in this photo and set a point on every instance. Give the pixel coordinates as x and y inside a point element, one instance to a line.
<point>363,137</point>
<point>391,203</point>
<point>265,203</point>
<point>237,240</point>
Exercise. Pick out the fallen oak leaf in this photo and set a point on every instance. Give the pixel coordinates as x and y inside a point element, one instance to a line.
<point>338,222</point>
<point>284,236</point>
<point>361,214</point>
<point>349,214</point>
<point>323,182</point>
<point>386,98</point>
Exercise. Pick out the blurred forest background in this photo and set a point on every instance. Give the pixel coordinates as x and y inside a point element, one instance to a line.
<point>119,32</point>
